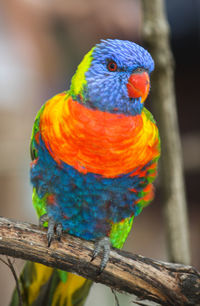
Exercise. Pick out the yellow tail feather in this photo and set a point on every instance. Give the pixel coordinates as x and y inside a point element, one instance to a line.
<point>64,292</point>
<point>44,286</point>
<point>41,275</point>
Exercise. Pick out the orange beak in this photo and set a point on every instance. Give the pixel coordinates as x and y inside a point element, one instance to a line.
<point>138,85</point>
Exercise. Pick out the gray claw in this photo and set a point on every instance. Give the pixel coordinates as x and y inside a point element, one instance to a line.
<point>52,227</point>
<point>103,243</point>
<point>59,231</point>
<point>50,232</point>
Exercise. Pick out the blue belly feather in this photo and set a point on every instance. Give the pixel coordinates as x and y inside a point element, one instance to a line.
<point>85,204</point>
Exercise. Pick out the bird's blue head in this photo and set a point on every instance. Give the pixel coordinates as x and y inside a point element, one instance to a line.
<point>113,77</point>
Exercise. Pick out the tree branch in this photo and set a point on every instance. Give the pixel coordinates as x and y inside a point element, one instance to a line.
<point>165,283</point>
<point>156,38</point>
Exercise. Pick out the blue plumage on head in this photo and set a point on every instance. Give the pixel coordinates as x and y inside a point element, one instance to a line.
<point>128,55</point>
<point>107,90</point>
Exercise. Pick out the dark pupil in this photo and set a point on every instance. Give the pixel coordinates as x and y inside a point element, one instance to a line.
<point>112,66</point>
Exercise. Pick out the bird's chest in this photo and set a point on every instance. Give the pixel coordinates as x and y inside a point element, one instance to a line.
<point>93,141</point>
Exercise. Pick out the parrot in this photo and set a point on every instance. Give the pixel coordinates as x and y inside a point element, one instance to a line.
<point>94,151</point>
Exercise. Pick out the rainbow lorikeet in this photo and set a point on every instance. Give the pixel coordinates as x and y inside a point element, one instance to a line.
<point>94,154</point>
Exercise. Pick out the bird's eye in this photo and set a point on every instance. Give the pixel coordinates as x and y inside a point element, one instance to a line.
<point>112,66</point>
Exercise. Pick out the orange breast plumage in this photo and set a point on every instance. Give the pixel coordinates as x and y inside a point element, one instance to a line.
<point>95,141</point>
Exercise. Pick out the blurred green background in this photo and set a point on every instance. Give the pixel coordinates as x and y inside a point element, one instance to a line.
<point>41,43</point>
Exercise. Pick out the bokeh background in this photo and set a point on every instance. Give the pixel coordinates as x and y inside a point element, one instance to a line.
<point>41,43</point>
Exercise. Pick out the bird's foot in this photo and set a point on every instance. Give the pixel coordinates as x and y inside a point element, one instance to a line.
<point>53,227</point>
<point>42,219</point>
<point>102,244</point>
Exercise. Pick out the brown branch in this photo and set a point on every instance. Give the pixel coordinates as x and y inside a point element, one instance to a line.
<point>165,283</point>
<point>156,39</point>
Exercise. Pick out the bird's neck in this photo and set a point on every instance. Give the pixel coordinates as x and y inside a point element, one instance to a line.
<point>78,80</point>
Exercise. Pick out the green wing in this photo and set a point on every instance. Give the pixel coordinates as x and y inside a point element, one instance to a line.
<point>35,130</point>
<point>38,203</point>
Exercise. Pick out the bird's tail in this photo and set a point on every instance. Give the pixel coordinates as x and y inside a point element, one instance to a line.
<point>44,286</point>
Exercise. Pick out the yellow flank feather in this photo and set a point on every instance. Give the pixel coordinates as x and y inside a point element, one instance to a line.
<point>64,292</point>
<point>56,104</point>
<point>40,276</point>
<point>150,130</point>
<point>78,80</point>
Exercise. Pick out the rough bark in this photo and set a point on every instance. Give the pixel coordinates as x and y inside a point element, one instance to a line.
<point>156,39</point>
<point>165,283</point>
